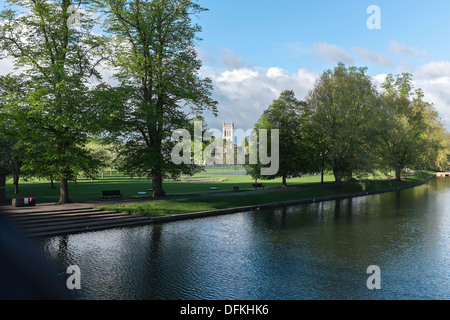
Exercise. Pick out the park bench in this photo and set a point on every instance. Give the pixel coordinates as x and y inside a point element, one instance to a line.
<point>257,185</point>
<point>111,193</point>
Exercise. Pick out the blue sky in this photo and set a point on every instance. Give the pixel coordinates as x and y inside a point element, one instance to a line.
<point>254,49</point>
<point>282,33</point>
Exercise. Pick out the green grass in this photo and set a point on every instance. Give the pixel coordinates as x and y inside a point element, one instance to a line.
<point>90,191</point>
<point>86,190</point>
<point>186,205</point>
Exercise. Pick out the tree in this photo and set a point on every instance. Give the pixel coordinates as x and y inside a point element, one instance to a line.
<point>287,114</point>
<point>55,110</point>
<point>7,165</point>
<point>413,135</point>
<point>10,159</point>
<point>344,106</point>
<point>153,51</point>
<point>103,152</point>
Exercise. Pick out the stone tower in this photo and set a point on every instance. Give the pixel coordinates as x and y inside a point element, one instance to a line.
<point>228,133</point>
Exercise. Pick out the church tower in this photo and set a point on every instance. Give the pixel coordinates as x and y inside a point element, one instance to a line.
<point>228,133</point>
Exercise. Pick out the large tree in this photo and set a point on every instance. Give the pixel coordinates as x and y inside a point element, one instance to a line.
<point>344,105</point>
<point>288,115</point>
<point>53,106</point>
<point>153,50</point>
<point>11,158</point>
<point>413,135</point>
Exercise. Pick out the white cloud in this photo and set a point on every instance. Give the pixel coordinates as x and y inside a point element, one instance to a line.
<point>401,49</point>
<point>434,79</point>
<point>434,69</point>
<point>221,57</point>
<point>237,75</point>
<point>332,53</point>
<point>231,59</point>
<point>376,58</point>
<point>379,79</point>
<point>276,72</point>
<point>244,94</point>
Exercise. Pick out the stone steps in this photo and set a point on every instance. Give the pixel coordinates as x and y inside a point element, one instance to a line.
<point>59,222</point>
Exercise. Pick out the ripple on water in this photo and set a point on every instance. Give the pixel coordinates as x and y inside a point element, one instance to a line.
<point>317,251</point>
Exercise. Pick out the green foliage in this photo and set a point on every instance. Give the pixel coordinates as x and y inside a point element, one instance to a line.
<point>289,115</point>
<point>345,119</point>
<point>49,103</point>
<point>152,45</point>
<point>413,135</point>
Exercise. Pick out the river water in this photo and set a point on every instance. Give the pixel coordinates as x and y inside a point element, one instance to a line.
<point>316,251</point>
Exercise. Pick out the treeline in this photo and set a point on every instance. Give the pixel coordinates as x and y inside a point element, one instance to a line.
<point>350,127</point>
<point>56,100</point>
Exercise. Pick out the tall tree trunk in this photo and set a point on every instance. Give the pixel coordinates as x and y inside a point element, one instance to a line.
<point>158,190</point>
<point>337,177</point>
<point>284,183</point>
<point>52,183</point>
<point>2,187</point>
<point>64,191</point>
<point>398,174</point>
<point>16,183</point>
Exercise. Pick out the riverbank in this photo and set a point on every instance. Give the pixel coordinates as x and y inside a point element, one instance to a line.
<point>191,207</point>
<point>51,219</point>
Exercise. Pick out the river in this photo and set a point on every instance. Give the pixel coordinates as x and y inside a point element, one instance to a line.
<point>315,251</point>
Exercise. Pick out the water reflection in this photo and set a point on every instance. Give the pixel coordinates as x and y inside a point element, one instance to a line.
<point>316,251</point>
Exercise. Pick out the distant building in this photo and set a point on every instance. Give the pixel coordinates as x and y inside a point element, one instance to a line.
<point>228,139</point>
<point>234,154</point>
<point>228,132</point>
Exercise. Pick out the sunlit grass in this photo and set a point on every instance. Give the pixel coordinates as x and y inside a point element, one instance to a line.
<point>86,190</point>
<point>187,205</point>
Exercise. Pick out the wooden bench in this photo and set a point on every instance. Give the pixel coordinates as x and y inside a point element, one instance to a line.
<point>111,193</point>
<point>257,185</point>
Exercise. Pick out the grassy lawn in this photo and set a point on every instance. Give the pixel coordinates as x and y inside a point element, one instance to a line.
<point>186,205</point>
<point>86,190</point>
<point>90,191</point>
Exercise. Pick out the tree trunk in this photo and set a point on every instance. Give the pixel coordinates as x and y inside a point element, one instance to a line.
<point>2,187</point>
<point>64,191</point>
<point>321,177</point>
<point>398,174</point>
<point>16,183</point>
<point>52,184</point>
<point>337,177</point>
<point>158,190</point>
<point>284,183</point>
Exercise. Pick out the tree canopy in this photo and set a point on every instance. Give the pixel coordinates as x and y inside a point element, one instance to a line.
<point>154,52</point>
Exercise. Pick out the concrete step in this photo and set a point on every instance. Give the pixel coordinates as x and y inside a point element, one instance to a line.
<point>64,217</point>
<point>57,222</point>
<point>65,222</point>
<point>32,212</point>
<point>72,229</point>
<point>85,222</point>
